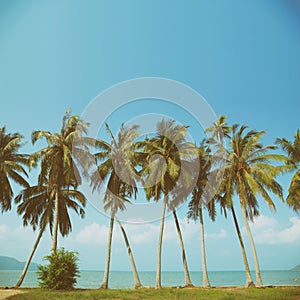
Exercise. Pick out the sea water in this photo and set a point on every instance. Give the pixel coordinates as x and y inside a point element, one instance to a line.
<point>118,280</point>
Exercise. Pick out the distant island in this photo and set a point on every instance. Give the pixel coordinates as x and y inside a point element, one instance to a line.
<point>297,268</point>
<point>10,263</point>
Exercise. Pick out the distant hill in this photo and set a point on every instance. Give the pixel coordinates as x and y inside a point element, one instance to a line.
<point>10,263</point>
<point>297,268</point>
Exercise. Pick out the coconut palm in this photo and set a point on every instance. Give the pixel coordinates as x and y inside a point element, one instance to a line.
<point>292,148</point>
<point>226,202</point>
<point>179,195</point>
<point>248,172</point>
<point>38,208</point>
<point>116,171</point>
<point>12,165</point>
<point>161,170</point>
<point>219,132</point>
<point>131,258</point>
<point>202,198</point>
<point>58,163</point>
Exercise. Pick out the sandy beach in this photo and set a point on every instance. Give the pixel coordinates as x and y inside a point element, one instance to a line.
<point>5,293</point>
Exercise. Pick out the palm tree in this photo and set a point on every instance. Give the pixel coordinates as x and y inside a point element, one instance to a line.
<point>225,199</point>
<point>202,197</point>
<point>37,207</point>
<point>161,170</point>
<point>11,166</point>
<point>293,151</point>
<point>58,167</point>
<point>248,172</point>
<point>219,131</point>
<point>116,170</point>
<point>137,282</point>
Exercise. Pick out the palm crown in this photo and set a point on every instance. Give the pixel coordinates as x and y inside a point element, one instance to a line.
<point>293,151</point>
<point>11,166</point>
<point>37,205</point>
<point>248,170</point>
<point>202,194</point>
<point>167,152</point>
<point>116,168</point>
<point>58,165</point>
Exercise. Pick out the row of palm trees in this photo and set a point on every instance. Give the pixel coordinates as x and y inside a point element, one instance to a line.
<point>171,169</point>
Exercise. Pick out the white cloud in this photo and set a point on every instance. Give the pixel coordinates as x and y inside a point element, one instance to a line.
<point>267,230</point>
<point>148,232</point>
<point>137,234</point>
<point>3,230</point>
<point>291,234</point>
<point>217,236</point>
<point>92,234</point>
<point>189,230</point>
<point>144,233</point>
<point>170,233</point>
<point>24,234</point>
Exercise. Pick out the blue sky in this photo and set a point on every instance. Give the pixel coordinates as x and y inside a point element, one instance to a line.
<point>242,57</point>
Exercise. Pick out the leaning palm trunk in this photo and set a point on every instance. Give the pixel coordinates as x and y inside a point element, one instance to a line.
<point>249,281</point>
<point>255,258</point>
<point>188,281</point>
<point>206,282</point>
<point>56,221</point>
<point>104,284</point>
<point>30,257</point>
<point>137,282</point>
<point>162,223</point>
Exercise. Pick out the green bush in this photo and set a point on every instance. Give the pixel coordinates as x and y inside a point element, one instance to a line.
<point>61,272</point>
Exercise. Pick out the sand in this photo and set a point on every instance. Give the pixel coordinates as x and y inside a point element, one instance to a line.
<point>5,293</point>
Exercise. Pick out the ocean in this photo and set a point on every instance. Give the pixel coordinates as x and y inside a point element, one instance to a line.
<point>118,280</point>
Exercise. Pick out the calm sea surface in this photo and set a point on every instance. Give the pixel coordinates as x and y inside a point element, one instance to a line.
<point>92,279</point>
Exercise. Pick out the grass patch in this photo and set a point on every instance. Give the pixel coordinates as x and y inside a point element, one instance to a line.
<point>274,293</point>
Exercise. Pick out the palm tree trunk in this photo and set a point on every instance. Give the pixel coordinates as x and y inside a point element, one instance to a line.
<point>137,282</point>
<point>249,281</point>
<point>188,281</point>
<point>56,221</point>
<point>30,257</point>
<point>104,284</point>
<point>206,282</point>
<point>255,258</point>
<point>162,223</point>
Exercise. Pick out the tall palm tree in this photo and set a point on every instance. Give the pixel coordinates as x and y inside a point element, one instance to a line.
<point>12,165</point>
<point>220,131</point>
<point>292,148</point>
<point>248,172</point>
<point>161,170</point>
<point>224,197</point>
<point>202,197</point>
<point>116,170</point>
<point>37,207</point>
<point>180,193</point>
<point>137,282</point>
<point>58,163</point>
